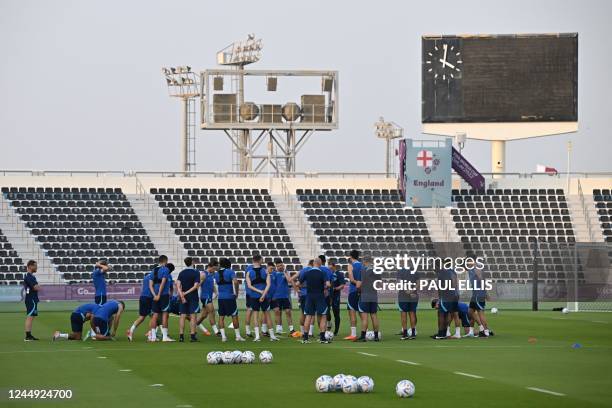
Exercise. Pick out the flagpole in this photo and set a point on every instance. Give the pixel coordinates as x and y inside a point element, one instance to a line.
<point>569,151</point>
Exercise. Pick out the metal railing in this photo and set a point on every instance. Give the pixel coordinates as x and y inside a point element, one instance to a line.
<point>585,212</point>
<point>298,215</point>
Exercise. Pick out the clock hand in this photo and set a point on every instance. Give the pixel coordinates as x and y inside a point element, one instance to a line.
<point>445,49</point>
<point>446,63</point>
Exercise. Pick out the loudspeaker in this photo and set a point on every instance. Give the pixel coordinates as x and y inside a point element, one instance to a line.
<point>271,82</point>
<point>218,83</point>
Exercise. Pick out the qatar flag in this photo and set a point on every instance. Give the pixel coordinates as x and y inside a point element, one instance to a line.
<point>540,168</point>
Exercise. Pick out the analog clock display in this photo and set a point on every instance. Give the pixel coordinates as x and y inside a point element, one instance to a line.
<point>444,61</point>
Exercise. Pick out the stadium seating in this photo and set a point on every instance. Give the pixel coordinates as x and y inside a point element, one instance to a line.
<point>233,223</point>
<point>371,220</point>
<point>78,226</point>
<point>11,265</point>
<point>603,202</point>
<point>503,224</point>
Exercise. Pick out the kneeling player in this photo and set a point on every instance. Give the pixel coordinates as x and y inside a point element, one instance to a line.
<point>80,315</point>
<point>107,316</point>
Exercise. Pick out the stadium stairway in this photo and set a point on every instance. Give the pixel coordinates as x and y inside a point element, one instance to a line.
<point>158,227</point>
<point>585,218</point>
<point>25,243</point>
<point>292,215</point>
<point>440,225</point>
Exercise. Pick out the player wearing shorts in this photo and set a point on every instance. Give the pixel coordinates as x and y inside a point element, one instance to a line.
<point>368,300</point>
<point>99,280</point>
<point>301,293</point>
<point>187,285</point>
<point>329,275</point>
<point>407,301</point>
<point>30,288</point>
<point>448,299</point>
<point>145,304</point>
<point>105,320</point>
<point>258,281</point>
<point>228,288</point>
<point>478,301</point>
<point>281,301</point>
<point>78,317</point>
<point>266,315</point>
<point>160,286</point>
<point>337,285</point>
<point>316,282</point>
<point>208,291</point>
<point>354,278</point>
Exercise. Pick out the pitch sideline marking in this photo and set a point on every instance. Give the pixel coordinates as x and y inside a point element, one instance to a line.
<point>125,370</point>
<point>156,385</point>
<point>367,354</point>
<point>408,362</point>
<point>558,394</point>
<point>468,375</point>
<point>102,357</point>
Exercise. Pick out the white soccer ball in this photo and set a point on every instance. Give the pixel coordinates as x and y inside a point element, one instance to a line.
<point>213,357</point>
<point>324,383</point>
<point>329,336</point>
<point>248,357</point>
<point>565,310</point>
<point>265,357</point>
<point>365,384</point>
<point>228,357</point>
<point>237,354</point>
<point>349,384</point>
<point>494,310</point>
<point>338,381</point>
<point>404,389</point>
<point>369,335</point>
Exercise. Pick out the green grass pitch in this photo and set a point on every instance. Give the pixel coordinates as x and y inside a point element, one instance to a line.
<point>120,374</point>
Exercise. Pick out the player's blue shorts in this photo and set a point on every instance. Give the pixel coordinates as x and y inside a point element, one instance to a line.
<point>192,306</point>
<point>206,301</point>
<point>302,302</point>
<point>227,307</point>
<point>478,304</point>
<point>31,307</point>
<point>258,306</point>
<point>407,306</point>
<point>282,304</point>
<point>315,305</point>
<point>145,306</point>
<point>101,326</point>
<point>367,307</point>
<point>162,305</point>
<point>76,322</point>
<point>353,301</point>
<point>100,300</point>
<point>465,319</point>
<point>449,306</point>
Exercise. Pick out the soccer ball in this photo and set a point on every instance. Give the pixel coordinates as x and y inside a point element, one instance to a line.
<point>265,357</point>
<point>494,310</point>
<point>329,336</point>
<point>404,389</point>
<point>565,310</point>
<point>228,357</point>
<point>214,357</point>
<point>237,354</point>
<point>349,384</point>
<point>369,335</point>
<point>365,384</point>
<point>338,381</point>
<point>248,357</point>
<point>324,383</point>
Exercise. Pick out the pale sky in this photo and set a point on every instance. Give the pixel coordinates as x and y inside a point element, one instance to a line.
<point>81,87</point>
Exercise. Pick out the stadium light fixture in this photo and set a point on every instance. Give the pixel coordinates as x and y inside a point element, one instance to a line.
<point>241,53</point>
<point>389,131</point>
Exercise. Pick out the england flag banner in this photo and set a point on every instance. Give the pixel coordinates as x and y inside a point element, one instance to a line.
<point>428,173</point>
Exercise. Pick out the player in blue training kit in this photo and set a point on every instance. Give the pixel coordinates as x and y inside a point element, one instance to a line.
<point>259,282</point>
<point>160,287</point>
<point>329,274</point>
<point>187,285</point>
<point>78,317</point>
<point>478,301</point>
<point>317,282</point>
<point>280,297</point>
<point>227,286</point>
<point>368,300</point>
<point>407,301</point>
<point>354,278</point>
<point>99,280</point>
<point>337,285</point>
<point>30,287</point>
<point>105,320</point>
<point>145,304</point>
<point>448,301</point>
<point>301,292</point>
<point>208,292</point>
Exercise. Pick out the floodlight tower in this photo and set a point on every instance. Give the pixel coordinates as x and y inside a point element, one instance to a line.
<point>239,54</point>
<point>184,84</point>
<point>388,131</point>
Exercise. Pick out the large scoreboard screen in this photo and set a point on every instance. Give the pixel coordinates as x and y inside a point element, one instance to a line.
<point>500,78</point>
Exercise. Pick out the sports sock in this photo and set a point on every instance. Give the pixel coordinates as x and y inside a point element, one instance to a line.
<point>405,332</point>
<point>237,333</point>
<point>279,328</point>
<point>223,334</point>
<point>256,332</point>
<point>413,331</point>
<point>264,328</point>
<point>447,332</point>
<point>457,331</point>
<point>305,336</point>
<point>480,327</point>
<point>215,328</point>
<point>290,327</point>
<point>248,329</point>
<point>164,332</point>
<point>302,329</point>
<point>471,331</point>
<point>311,330</point>
<point>353,331</point>
<point>376,334</point>
<point>363,334</point>
<point>133,328</point>
<point>322,336</point>
<point>486,332</point>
